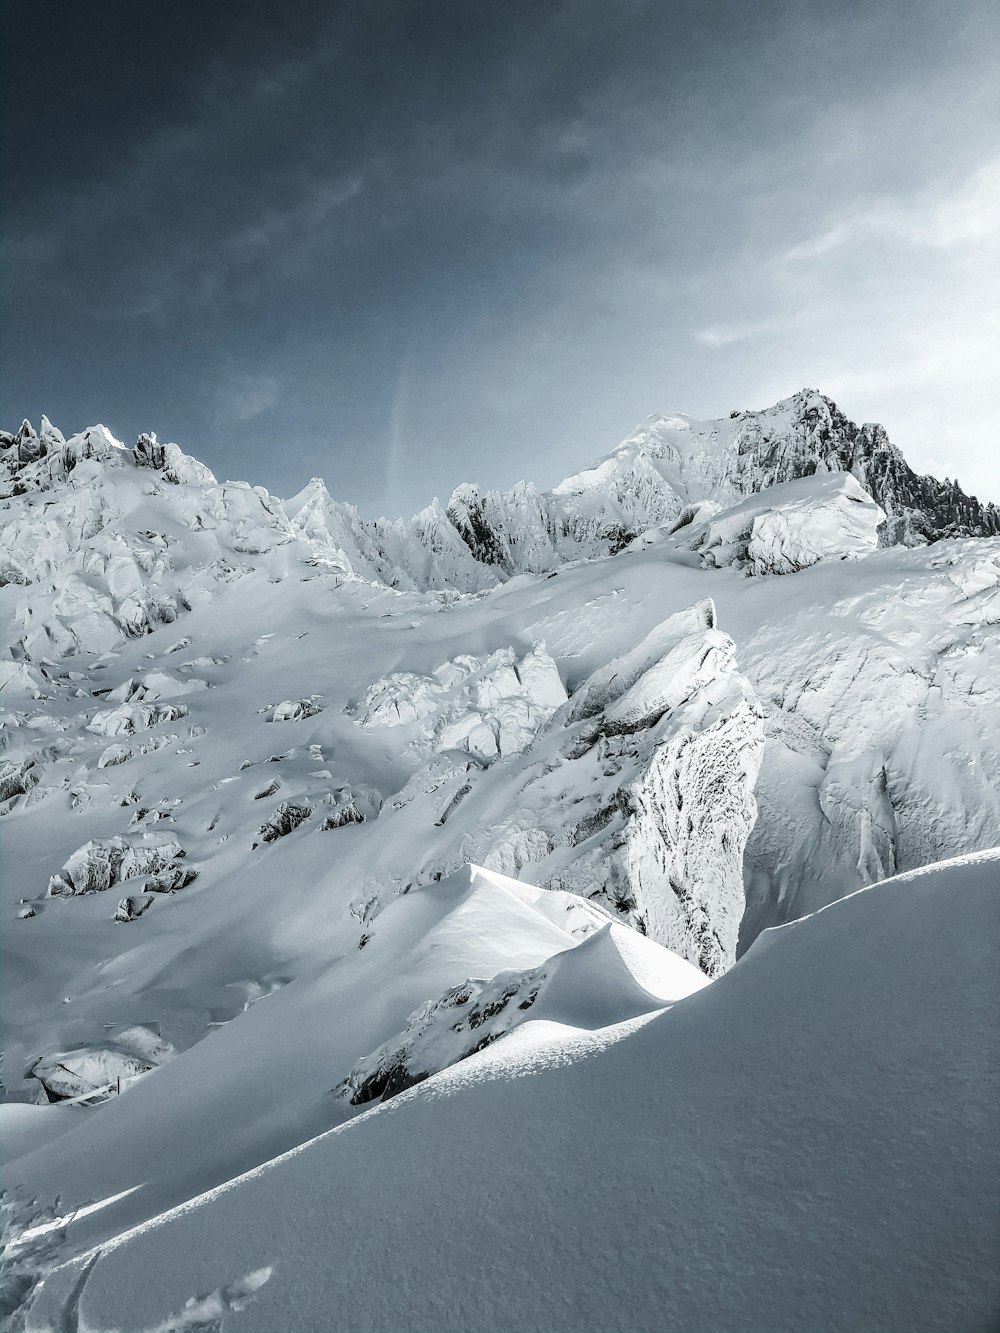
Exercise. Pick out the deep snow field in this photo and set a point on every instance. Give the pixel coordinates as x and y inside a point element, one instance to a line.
<point>370,952</point>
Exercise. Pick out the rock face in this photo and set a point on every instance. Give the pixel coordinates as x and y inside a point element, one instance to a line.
<point>789,527</point>
<point>671,462</point>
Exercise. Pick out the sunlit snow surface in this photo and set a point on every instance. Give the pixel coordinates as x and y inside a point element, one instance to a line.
<point>240,782</point>
<point>809,1142</point>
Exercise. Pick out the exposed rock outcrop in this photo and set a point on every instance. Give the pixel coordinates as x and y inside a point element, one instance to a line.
<point>441,1032</point>
<point>286,819</point>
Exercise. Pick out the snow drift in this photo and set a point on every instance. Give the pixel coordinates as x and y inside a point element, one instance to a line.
<point>805,1143</point>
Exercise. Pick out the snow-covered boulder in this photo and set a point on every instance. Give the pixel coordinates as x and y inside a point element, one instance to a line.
<point>17,777</point>
<point>441,1032</point>
<point>155,685</point>
<point>789,526</point>
<point>100,863</point>
<point>286,819</point>
<point>294,710</point>
<point>97,1072</point>
<point>490,706</point>
<point>132,906</point>
<point>176,466</point>
<point>352,805</point>
<point>127,719</point>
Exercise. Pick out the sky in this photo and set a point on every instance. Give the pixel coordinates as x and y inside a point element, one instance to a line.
<point>405,243</point>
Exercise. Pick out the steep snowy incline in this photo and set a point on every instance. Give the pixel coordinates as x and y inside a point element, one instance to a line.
<point>637,793</point>
<point>879,681</point>
<point>286,1055</point>
<point>807,1143</point>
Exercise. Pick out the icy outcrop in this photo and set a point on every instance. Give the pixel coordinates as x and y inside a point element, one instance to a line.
<point>100,863</point>
<point>286,819</point>
<point>441,1032</point>
<point>513,531</point>
<point>121,754</point>
<point>95,1073</point>
<point>883,731</point>
<point>90,535</point>
<point>170,880</point>
<point>789,526</point>
<point>133,906</point>
<point>638,793</point>
<point>293,710</point>
<point>177,467</point>
<point>425,552</point>
<point>127,719</point>
<point>17,778</point>
<point>490,706</point>
<point>35,461</point>
<point>156,685</point>
<point>352,805</point>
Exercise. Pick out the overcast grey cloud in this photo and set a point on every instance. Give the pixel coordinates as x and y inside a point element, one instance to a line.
<point>405,244</point>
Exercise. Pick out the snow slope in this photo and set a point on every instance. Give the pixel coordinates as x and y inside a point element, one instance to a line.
<point>250,749</point>
<point>809,1142</point>
<point>236,716</point>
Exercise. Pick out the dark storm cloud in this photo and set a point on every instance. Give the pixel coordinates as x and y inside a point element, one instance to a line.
<point>403,244</point>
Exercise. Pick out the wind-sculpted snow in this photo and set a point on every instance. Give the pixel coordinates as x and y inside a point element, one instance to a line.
<point>638,792</point>
<point>610,975</point>
<point>789,526</point>
<point>807,1143</point>
<point>334,717</point>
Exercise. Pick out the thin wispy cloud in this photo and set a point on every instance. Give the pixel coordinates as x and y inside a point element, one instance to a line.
<point>247,396</point>
<point>724,335</point>
<point>964,216</point>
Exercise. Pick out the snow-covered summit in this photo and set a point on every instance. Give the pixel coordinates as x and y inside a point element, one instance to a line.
<point>675,459</point>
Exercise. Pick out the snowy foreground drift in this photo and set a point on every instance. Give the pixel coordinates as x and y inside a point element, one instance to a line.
<point>808,1142</point>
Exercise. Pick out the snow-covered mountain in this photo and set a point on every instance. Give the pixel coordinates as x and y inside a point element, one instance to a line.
<point>252,747</point>
<point>666,464</point>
